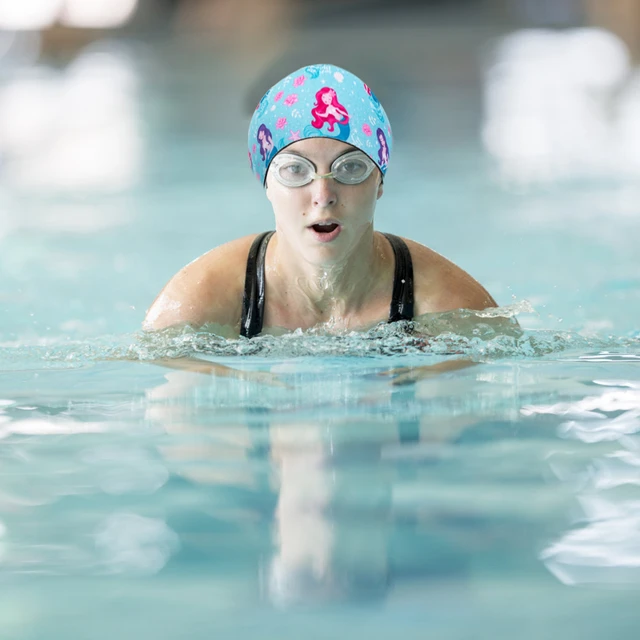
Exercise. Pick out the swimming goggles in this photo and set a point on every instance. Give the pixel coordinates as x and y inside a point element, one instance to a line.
<point>293,170</point>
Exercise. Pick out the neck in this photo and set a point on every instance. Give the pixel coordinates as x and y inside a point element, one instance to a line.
<point>332,290</point>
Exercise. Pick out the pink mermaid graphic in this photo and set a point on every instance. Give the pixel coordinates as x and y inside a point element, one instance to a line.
<point>327,109</point>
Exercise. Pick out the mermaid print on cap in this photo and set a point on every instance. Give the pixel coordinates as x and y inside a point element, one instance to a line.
<point>318,101</point>
<point>383,151</point>
<point>265,140</point>
<point>328,110</point>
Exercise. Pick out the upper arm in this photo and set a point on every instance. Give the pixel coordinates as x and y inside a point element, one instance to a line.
<point>186,299</point>
<point>208,290</point>
<point>461,291</point>
<point>440,285</point>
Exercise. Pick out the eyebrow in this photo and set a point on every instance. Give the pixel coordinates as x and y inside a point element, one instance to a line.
<point>344,153</point>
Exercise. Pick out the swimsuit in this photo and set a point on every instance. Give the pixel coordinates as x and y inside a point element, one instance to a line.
<point>254,286</point>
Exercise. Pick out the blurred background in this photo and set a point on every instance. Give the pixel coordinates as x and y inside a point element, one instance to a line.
<point>123,128</point>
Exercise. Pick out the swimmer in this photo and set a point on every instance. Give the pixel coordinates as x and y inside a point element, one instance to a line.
<point>319,144</point>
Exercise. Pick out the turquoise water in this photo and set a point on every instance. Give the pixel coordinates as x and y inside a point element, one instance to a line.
<point>137,501</point>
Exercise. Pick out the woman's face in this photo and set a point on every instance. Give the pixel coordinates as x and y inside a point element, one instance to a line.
<point>298,210</point>
<point>326,98</point>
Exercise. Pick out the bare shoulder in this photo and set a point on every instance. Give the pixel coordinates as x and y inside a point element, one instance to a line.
<point>207,290</point>
<point>440,285</point>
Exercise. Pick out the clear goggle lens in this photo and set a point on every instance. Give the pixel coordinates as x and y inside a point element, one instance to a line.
<point>295,171</point>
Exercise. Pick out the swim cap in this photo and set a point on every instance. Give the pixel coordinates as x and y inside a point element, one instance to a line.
<point>320,101</point>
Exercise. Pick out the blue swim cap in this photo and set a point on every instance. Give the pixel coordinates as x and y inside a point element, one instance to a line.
<point>320,101</point>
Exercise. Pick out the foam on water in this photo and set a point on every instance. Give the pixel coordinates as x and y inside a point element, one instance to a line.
<point>472,334</point>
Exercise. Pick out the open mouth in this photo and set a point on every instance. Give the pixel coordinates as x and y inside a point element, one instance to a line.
<point>324,228</point>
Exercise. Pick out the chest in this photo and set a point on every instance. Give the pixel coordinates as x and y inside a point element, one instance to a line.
<point>291,310</point>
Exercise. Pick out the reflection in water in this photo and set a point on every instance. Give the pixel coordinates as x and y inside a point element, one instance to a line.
<point>333,496</point>
<point>51,465</point>
<point>332,521</point>
<point>604,548</point>
<point>355,501</point>
<point>132,544</point>
<point>337,489</point>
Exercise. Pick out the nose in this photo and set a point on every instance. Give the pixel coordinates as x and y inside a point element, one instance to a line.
<point>324,192</point>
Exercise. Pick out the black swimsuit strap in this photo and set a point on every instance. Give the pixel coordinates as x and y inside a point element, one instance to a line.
<point>402,297</point>
<point>401,307</point>
<point>254,286</point>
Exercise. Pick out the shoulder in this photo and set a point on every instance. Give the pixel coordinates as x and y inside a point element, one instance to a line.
<point>207,290</point>
<point>440,285</point>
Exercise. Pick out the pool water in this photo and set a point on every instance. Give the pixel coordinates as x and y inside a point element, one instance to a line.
<point>137,501</point>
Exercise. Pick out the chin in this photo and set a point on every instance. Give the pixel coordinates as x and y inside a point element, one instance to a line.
<point>325,254</point>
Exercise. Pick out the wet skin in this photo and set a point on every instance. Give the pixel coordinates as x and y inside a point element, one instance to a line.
<point>325,266</point>
<point>343,282</point>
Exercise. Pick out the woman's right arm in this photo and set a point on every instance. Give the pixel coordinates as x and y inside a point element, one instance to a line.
<point>207,291</point>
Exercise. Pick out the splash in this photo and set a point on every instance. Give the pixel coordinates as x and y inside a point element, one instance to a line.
<point>485,336</point>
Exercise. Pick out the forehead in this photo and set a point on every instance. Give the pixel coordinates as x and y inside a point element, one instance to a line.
<point>320,149</point>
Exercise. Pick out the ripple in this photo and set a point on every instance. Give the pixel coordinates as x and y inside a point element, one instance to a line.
<point>603,547</point>
<point>480,335</point>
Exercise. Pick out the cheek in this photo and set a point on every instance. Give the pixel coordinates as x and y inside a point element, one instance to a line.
<point>286,202</point>
<point>360,204</point>
<point>367,197</point>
